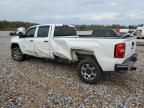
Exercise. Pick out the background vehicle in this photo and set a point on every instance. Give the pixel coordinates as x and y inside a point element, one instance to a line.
<point>94,54</point>
<point>139,32</point>
<point>20,30</point>
<point>103,32</point>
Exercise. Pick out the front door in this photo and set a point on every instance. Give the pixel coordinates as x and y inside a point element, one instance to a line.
<point>27,42</point>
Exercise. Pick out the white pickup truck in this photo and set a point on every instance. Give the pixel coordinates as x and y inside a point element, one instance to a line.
<point>93,54</point>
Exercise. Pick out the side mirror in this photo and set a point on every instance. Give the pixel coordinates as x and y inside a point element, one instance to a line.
<point>12,34</point>
<point>134,34</point>
<point>21,35</point>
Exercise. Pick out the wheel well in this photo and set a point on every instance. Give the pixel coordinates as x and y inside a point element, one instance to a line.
<point>87,55</point>
<point>14,45</point>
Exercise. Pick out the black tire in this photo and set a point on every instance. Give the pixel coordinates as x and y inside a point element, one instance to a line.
<point>17,55</point>
<point>89,74</point>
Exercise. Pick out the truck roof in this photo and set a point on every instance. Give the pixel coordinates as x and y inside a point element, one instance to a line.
<point>54,25</point>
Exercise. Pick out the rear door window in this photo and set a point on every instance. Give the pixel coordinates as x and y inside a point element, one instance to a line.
<point>64,31</point>
<point>43,31</point>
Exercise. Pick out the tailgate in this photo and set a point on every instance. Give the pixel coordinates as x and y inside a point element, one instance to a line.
<point>130,47</point>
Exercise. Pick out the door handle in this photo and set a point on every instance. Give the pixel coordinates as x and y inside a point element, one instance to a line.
<point>45,41</point>
<point>31,40</point>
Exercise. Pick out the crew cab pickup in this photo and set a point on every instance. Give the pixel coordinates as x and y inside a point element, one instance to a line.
<point>93,54</point>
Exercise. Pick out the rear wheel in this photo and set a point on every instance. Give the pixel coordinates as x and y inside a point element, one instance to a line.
<point>17,54</point>
<point>89,71</point>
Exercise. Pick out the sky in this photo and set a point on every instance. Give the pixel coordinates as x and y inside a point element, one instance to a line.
<point>123,12</point>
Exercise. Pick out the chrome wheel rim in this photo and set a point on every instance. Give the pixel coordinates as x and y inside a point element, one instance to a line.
<point>88,71</point>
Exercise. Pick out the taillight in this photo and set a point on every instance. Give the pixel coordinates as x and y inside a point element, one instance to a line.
<point>119,50</point>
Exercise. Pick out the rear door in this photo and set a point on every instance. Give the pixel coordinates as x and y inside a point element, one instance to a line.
<point>42,42</point>
<point>130,47</point>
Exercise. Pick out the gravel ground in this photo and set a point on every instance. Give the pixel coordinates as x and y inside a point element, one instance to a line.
<point>36,83</point>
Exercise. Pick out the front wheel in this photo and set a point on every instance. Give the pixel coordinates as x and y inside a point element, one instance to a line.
<point>17,54</point>
<point>89,71</point>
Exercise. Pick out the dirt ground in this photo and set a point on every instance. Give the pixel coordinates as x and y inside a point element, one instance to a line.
<point>36,83</point>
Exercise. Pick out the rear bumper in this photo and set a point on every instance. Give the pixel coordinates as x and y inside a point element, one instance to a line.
<point>127,65</point>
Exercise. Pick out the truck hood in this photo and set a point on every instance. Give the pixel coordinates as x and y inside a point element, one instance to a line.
<point>15,39</point>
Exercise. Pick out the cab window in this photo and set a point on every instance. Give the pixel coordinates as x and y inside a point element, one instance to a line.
<point>64,31</point>
<point>43,31</point>
<point>30,33</point>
